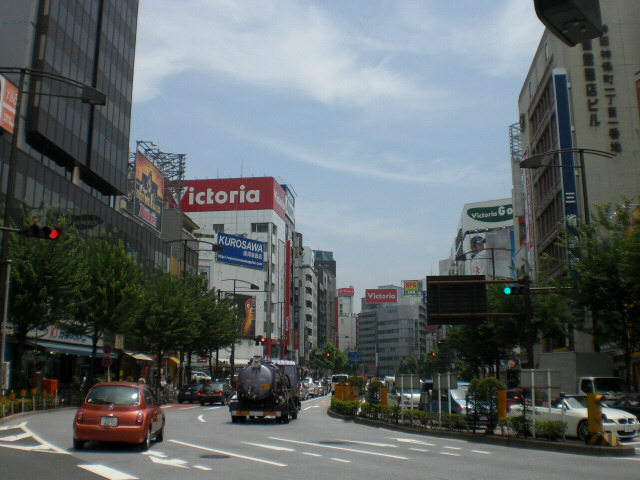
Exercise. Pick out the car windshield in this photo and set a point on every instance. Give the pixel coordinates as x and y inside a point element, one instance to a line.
<point>216,386</point>
<point>114,395</point>
<point>573,402</point>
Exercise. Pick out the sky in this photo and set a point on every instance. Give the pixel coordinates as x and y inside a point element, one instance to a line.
<point>384,117</point>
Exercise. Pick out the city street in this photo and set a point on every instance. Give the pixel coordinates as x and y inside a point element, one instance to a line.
<point>202,443</point>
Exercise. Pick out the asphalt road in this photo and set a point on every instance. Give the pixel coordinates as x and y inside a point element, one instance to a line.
<point>202,443</point>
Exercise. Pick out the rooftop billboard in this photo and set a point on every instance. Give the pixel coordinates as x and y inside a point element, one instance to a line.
<point>230,194</point>
<point>147,204</point>
<point>381,295</point>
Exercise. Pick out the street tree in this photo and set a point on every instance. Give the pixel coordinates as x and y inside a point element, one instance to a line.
<point>110,294</point>
<point>45,279</point>
<point>166,318</point>
<point>604,277</point>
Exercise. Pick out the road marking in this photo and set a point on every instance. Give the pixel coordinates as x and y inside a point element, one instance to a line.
<point>416,442</point>
<point>312,454</point>
<point>43,446</point>
<point>423,450</point>
<point>340,448</point>
<point>270,447</point>
<point>312,406</point>
<point>481,451</point>
<point>374,444</point>
<point>452,448</point>
<point>341,460</point>
<point>450,454</point>
<point>201,419</point>
<point>201,467</point>
<point>107,472</point>
<point>172,462</point>
<point>222,452</point>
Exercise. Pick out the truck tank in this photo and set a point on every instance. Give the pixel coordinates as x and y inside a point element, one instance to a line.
<point>265,389</point>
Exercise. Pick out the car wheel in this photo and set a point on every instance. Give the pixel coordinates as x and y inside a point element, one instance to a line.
<point>78,444</point>
<point>234,419</point>
<point>146,443</point>
<point>583,430</point>
<point>160,434</point>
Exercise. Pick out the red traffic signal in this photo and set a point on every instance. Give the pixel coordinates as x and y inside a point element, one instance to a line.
<point>36,231</point>
<point>328,354</point>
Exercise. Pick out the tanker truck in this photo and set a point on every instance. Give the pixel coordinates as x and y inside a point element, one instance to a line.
<point>266,389</point>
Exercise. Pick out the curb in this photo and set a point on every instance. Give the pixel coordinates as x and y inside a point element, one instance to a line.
<point>564,447</point>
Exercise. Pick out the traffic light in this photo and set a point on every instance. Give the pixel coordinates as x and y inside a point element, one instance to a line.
<point>432,354</point>
<point>260,340</point>
<point>263,340</point>
<point>514,289</point>
<point>594,412</point>
<point>328,355</point>
<point>257,340</point>
<point>36,231</point>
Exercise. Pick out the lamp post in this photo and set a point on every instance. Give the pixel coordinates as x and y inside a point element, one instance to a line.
<point>538,160</point>
<point>233,344</point>
<point>89,95</point>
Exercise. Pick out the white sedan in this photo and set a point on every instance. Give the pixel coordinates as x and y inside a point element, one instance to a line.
<point>618,422</point>
<point>312,387</point>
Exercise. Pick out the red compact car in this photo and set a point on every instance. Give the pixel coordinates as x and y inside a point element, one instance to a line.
<point>119,412</point>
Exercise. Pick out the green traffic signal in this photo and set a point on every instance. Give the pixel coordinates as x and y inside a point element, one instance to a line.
<point>507,290</point>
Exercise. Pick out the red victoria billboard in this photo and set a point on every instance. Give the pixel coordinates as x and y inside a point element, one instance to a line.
<point>381,295</point>
<point>231,194</point>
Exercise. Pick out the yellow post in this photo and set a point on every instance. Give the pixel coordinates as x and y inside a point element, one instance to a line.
<point>502,404</point>
<point>383,395</point>
<point>594,412</point>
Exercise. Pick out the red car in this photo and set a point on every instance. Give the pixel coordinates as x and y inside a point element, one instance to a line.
<point>125,412</point>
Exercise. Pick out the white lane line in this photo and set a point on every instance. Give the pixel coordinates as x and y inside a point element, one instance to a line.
<point>222,452</point>
<point>373,444</point>
<point>312,454</point>
<point>271,447</point>
<point>107,472</point>
<point>340,448</point>
<point>481,451</point>
<point>340,460</point>
<point>201,419</point>
<point>43,446</point>
<point>172,462</point>
<point>201,467</point>
<point>415,442</point>
<point>423,450</point>
<point>452,448</point>
<point>450,454</point>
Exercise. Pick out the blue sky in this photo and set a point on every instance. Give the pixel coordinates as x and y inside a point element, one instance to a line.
<point>386,117</point>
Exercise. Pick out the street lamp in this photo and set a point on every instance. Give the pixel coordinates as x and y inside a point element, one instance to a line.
<point>233,344</point>
<point>89,95</point>
<point>540,160</point>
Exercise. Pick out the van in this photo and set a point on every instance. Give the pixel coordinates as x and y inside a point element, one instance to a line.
<point>337,379</point>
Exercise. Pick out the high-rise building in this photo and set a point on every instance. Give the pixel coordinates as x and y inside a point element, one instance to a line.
<point>68,153</point>
<point>583,97</point>
<point>583,100</point>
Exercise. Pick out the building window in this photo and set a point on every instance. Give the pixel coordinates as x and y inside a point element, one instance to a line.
<point>218,227</point>
<point>259,227</point>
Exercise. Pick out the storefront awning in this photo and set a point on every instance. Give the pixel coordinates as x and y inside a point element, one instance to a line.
<point>140,356</point>
<point>70,348</point>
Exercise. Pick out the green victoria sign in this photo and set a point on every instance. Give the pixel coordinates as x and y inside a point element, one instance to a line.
<point>495,214</point>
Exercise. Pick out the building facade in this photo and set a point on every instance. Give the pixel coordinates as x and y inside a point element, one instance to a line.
<point>251,211</point>
<point>70,154</point>
<point>584,99</point>
<point>391,328</point>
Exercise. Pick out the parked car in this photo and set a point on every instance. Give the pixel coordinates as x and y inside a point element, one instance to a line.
<point>199,377</point>
<point>320,388</point>
<point>190,393</point>
<point>630,402</point>
<point>303,391</point>
<point>215,392</point>
<point>125,412</point>
<point>457,397</point>
<point>406,399</point>
<point>618,422</point>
